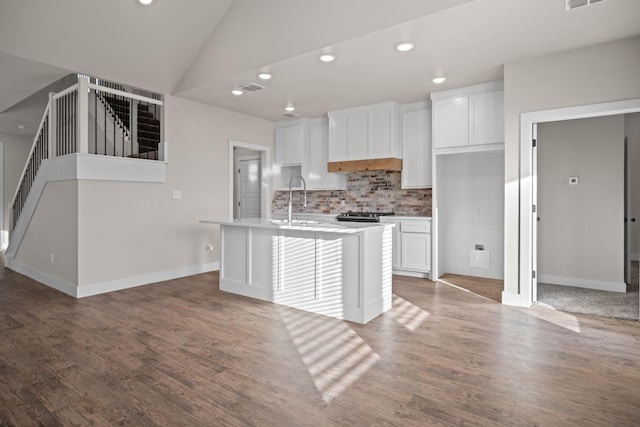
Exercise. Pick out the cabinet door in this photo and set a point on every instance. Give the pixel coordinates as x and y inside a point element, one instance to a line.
<point>358,137</point>
<point>338,139</point>
<point>289,142</point>
<point>416,251</point>
<point>379,134</point>
<point>416,149</point>
<point>315,166</point>
<point>451,122</point>
<point>486,118</point>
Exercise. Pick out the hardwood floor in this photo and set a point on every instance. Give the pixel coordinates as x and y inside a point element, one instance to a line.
<point>488,288</point>
<point>183,353</point>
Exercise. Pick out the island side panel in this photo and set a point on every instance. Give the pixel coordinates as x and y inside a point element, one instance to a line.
<point>377,270</point>
<point>249,261</point>
<point>338,278</point>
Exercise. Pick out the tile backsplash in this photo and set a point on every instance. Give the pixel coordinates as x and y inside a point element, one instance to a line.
<point>377,191</point>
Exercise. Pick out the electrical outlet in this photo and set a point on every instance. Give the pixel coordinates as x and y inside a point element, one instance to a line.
<point>209,248</point>
<point>574,180</point>
<point>177,194</point>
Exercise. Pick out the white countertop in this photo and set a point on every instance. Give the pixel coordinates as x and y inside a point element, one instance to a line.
<point>303,225</point>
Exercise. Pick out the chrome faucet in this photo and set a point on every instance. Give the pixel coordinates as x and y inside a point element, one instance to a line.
<point>304,185</point>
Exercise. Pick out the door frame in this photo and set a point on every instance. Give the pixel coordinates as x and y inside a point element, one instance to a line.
<point>265,176</point>
<point>528,180</point>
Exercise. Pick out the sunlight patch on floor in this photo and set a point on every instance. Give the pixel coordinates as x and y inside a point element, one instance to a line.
<point>334,354</point>
<point>559,318</point>
<point>407,314</point>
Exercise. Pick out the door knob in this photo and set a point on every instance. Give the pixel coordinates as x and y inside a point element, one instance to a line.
<point>633,220</point>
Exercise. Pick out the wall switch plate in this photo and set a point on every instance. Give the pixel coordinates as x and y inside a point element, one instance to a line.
<point>177,194</point>
<point>574,180</point>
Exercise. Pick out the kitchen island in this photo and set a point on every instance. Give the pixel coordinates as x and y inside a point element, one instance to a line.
<point>335,269</point>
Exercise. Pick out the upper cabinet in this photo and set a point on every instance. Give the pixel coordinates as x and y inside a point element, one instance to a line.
<point>302,149</point>
<point>315,157</point>
<point>290,139</point>
<point>416,145</point>
<point>369,132</point>
<point>469,117</point>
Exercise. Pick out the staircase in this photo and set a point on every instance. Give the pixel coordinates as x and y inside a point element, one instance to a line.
<point>92,117</point>
<point>147,124</point>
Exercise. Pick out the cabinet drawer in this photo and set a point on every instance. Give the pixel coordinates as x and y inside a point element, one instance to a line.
<point>415,226</point>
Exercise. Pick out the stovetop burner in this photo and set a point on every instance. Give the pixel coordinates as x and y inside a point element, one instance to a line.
<point>362,216</point>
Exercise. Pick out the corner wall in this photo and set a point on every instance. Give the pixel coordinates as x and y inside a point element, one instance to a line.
<point>591,75</point>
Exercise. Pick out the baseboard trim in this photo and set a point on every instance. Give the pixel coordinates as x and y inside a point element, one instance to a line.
<point>583,283</point>
<point>509,298</point>
<point>109,286</point>
<point>47,280</point>
<point>144,279</point>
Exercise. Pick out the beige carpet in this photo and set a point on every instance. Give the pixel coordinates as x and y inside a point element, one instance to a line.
<point>589,301</point>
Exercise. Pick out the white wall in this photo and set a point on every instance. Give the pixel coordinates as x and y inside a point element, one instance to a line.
<point>53,230</point>
<point>470,211</point>
<point>595,74</point>
<point>133,229</point>
<point>632,132</point>
<point>16,150</point>
<point>581,232</point>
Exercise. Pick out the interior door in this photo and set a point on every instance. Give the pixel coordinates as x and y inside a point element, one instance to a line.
<point>249,188</point>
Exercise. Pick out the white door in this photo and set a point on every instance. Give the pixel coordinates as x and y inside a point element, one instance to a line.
<point>249,188</point>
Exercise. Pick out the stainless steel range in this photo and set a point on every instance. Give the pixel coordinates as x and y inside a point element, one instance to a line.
<point>362,216</point>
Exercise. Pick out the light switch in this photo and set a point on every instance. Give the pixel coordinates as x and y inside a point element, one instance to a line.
<point>177,194</point>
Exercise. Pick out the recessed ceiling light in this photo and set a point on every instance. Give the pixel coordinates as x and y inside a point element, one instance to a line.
<point>438,80</point>
<point>145,2</point>
<point>237,92</point>
<point>290,109</point>
<point>264,76</point>
<point>405,46</point>
<point>327,57</point>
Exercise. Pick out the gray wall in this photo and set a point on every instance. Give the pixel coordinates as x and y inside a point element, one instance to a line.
<point>580,232</point>
<point>590,75</point>
<point>16,149</point>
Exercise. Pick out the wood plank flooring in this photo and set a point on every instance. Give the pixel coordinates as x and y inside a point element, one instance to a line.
<point>182,353</point>
<point>488,288</point>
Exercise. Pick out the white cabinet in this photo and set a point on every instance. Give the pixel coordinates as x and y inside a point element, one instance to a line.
<point>468,117</point>
<point>486,118</point>
<point>369,132</point>
<point>290,138</point>
<point>315,158</point>
<point>411,245</point>
<point>416,145</point>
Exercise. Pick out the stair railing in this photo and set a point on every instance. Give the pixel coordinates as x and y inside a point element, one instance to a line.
<point>65,129</point>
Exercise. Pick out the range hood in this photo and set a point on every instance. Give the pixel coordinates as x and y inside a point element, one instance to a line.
<point>385,164</point>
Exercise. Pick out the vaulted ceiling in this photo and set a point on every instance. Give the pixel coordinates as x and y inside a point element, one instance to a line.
<point>202,49</point>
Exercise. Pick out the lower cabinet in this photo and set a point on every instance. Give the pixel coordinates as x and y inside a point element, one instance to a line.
<point>411,246</point>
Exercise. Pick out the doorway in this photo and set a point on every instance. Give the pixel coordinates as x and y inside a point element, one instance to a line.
<point>249,174</point>
<point>528,181</point>
<point>248,178</point>
<point>581,262</point>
